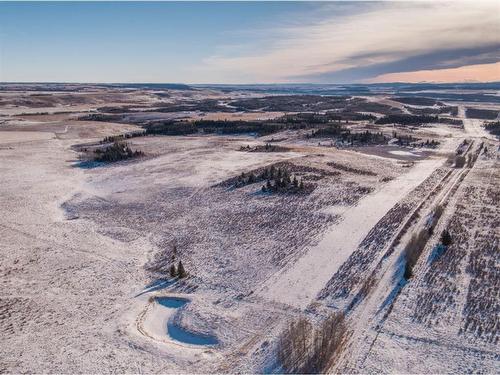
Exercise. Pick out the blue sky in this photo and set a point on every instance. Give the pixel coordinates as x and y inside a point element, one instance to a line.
<point>241,42</point>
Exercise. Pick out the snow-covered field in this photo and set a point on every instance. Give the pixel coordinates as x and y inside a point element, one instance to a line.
<point>86,252</point>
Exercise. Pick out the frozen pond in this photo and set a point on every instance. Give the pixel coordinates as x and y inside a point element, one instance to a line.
<point>171,302</point>
<point>178,333</point>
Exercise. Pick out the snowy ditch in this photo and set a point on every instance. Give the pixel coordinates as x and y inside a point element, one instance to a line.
<point>160,321</point>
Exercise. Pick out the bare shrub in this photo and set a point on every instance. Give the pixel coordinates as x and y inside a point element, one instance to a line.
<point>305,350</point>
<point>446,239</point>
<point>293,344</point>
<point>413,250</point>
<point>417,243</point>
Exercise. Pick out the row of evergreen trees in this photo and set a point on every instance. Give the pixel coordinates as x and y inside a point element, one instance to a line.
<point>120,137</point>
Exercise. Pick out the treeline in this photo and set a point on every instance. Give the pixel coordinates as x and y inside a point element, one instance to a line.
<point>259,128</point>
<point>171,128</point>
<point>120,137</point>
<point>406,119</point>
<point>417,120</point>
<point>268,147</point>
<point>352,116</point>
<point>324,118</point>
<point>427,144</point>
<point>291,103</point>
<point>493,128</point>
<point>110,109</point>
<point>484,114</point>
<point>366,137</point>
<point>116,152</point>
<point>100,117</point>
<point>409,140</point>
<point>450,121</point>
<point>237,126</point>
<point>332,130</point>
<point>346,136</point>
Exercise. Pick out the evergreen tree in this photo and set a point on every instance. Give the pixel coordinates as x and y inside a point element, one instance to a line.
<point>173,271</point>
<point>446,238</point>
<point>181,271</point>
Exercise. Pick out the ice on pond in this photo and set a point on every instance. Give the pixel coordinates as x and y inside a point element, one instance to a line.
<point>172,302</point>
<point>185,336</point>
<point>178,333</point>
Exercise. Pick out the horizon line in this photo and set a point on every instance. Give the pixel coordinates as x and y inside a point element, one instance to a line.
<point>246,84</point>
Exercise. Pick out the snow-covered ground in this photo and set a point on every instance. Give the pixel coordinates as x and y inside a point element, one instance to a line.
<point>25,136</point>
<point>431,313</point>
<point>67,298</point>
<point>85,252</point>
<point>299,284</point>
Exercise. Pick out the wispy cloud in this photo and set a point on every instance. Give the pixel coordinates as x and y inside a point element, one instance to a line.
<point>365,35</point>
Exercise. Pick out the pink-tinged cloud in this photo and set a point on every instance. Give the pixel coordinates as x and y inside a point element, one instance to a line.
<point>479,73</point>
<point>382,35</point>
